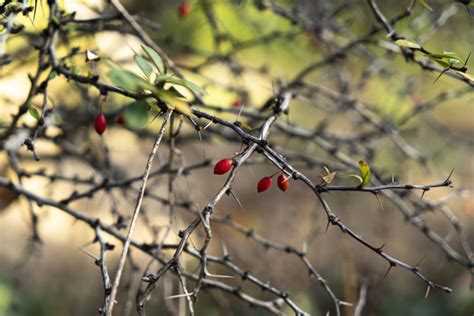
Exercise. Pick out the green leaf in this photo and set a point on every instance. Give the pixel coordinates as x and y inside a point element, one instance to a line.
<point>423,3</point>
<point>136,114</point>
<point>407,44</point>
<point>143,65</point>
<point>443,63</point>
<point>181,82</point>
<point>155,58</point>
<point>246,127</point>
<point>153,104</point>
<point>445,55</point>
<point>129,81</point>
<point>34,112</point>
<point>364,172</point>
<point>53,74</point>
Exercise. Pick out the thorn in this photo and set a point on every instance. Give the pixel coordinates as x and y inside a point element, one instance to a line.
<point>419,262</point>
<point>88,253</point>
<point>193,244</point>
<point>220,276</point>
<point>440,74</point>
<point>178,296</point>
<point>236,199</point>
<point>207,125</point>
<point>305,247</point>
<point>388,270</point>
<point>468,56</point>
<point>240,112</point>
<point>379,249</point>
<point>327,226</point>
<point>448,179</point>
<point>423,193</point>
<point>378,200</point>
<point>428,290</point>
<point>225,251</point>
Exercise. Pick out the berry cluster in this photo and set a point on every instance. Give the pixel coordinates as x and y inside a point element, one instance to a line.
<point>224,165</point>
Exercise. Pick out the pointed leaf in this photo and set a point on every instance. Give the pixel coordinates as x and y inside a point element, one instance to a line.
<point>143,64</point>
<point>155,58</point>
<point>181,82</point>
<point>129,81</point>
<point>407,44</point>
<point>34,112</point>
<point>423,3</point>
<point>174,103</point>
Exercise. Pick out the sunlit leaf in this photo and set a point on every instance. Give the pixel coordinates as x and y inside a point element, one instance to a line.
<point>143,64</point>
<point>364,172</point>
<point>155,58</point>
<point>175,92</point>
<point>246,127</point>
<point>129,81</point>
<point>181,82</point>
<point>407,44</point>
<point>446,55</point>
<point>174,103</point>
<point>425,4</point>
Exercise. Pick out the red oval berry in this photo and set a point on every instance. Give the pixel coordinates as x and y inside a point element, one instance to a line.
<point>283,182</point>
<point>223,166</point>
<point>184,10</point>
<point>264,184</point>
<point>121,120</point>
<point>100,124</point>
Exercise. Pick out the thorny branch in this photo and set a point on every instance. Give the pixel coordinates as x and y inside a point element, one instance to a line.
<point>260,146</point>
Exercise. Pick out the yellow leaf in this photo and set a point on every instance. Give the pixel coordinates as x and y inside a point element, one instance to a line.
<point>364,172</point>
<point>174,103</point>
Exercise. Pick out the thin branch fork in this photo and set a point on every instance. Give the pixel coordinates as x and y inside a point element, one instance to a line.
<point>136,211</point>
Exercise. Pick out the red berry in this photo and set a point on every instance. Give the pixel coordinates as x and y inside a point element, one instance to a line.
<point>184,10</point>
<point>223,166</point>
<point>264,184</point>
<point>283,182</point>
<point>121,120</point>
<point>100,123</point>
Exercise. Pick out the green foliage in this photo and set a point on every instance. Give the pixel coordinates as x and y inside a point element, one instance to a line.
<point>144,66</point>
<point>34,112</point>
<point>136,114</point>
<point>160,88</point>
<point>155,58</point>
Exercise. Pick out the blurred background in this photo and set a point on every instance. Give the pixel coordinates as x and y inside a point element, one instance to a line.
<point>244,61</point>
